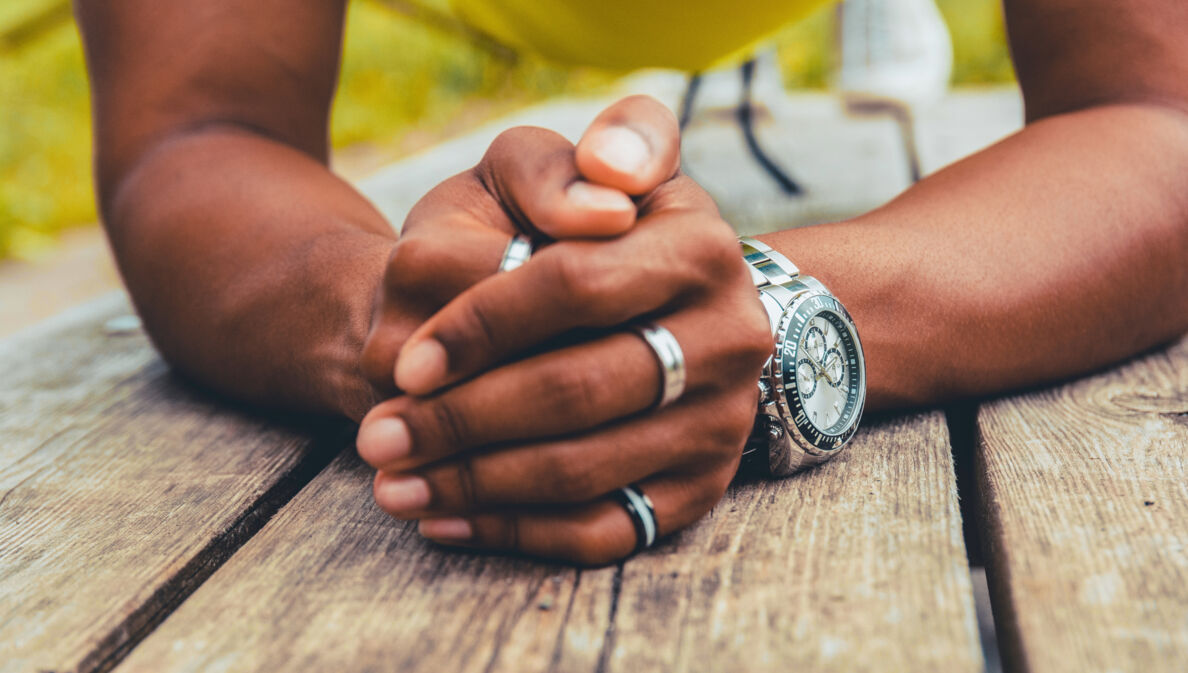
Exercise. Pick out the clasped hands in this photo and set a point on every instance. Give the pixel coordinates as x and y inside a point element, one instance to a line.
<point>514,403</point>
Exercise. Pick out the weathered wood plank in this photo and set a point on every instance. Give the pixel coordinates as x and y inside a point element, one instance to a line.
<point>332,583</point>
<point>120,489</point>
<point>1084,490</point>
<point>857,566</point>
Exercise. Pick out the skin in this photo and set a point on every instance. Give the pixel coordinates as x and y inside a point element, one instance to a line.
<point>259,273</point>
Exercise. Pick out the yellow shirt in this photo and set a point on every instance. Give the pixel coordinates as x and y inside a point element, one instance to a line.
<point>628,34</point>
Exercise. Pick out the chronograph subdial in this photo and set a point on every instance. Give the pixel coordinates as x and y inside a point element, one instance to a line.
<point>806,374</point>
<point>833,366</point>
<point>822,371</point>
<point>814,342</point>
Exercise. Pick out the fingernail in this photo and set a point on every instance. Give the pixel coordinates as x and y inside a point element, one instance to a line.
<point>596,197</point>
<point>446,529</point>
<point>383,441</point>
<point>421,367</point>
<point>402,494</point>
<point>622,149</point>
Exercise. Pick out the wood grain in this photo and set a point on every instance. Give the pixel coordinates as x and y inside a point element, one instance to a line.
<point>856,566</point>
<point>120,489</point>
<point>1085,496</point>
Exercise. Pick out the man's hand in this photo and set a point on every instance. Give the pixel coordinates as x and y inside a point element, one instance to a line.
<point>528,182</point>
<point>514,438</point>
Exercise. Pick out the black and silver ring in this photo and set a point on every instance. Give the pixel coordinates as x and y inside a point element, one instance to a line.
<point>671,359</point>
<point>643,515</point>
<point>518,250</point>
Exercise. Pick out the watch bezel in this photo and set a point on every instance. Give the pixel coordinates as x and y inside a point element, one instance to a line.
<point>796,422</point>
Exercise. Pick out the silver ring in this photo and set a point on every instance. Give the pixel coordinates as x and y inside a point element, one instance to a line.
<point>518,250</point>
<point>643,514</point>
<point>671,358</point>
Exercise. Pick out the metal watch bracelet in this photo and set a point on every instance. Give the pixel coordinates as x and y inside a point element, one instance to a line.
<point>787,436</point>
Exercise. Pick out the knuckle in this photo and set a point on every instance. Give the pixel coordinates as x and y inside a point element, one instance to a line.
<point>739,419</point>
<point>569,480</point>
<point>718,251</point>
<point>510,140</point>
<point>754,332</point>
<point>680,193</point>
<point>478,327</point>
<point>515,136</point>
<point>727,434</point>
<point>711,488</point>
<point>573,275</point>
<point>511,535</point>
<point>448,424</point>
<point>415,267</point>
<point>741,352</point>
<point>377,364</point>
<point>377,359</point>
<point>467,484</point>
<point>720,443</point>
<point>573,390</point>
<point>594,284</point>
<point>555,157</point>
<point>498,531</point>
<point>406,264</point>
<point>706,253</point>
<point>529,147</point>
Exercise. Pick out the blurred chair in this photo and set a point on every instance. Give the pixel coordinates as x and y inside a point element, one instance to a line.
<point>895,57</point>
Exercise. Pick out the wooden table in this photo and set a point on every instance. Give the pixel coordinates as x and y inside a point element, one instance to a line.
<point>147,526</point>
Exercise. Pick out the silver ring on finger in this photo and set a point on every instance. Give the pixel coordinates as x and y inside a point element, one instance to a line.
<point>671,359</point>
<point>643,514</point>
<point>518,251</point>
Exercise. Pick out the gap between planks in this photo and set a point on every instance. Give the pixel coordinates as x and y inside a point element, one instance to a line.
<point>123,489</point>
<point>858,565</point>
<point>1084,497</point>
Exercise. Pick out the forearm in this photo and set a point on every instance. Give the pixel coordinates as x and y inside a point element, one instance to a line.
<point>1056,251</point>
<point>254,268</point>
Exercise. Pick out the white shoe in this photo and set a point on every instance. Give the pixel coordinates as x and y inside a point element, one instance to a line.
<point>893,51</point>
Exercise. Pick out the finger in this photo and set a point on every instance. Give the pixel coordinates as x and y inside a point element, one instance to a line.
<point>453,237</point>
<point>592,534</point>
<point>686,437</point>
<point>568,285</point>
<point>424,271</point>
<point>532,173</point>
<point>633,145</point>
<point>554,393</point>
<point>432,267</point>
<point>563,391</point>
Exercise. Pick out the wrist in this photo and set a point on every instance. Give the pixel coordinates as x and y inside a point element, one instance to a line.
<point>873,267</point>
<point>344,385</point>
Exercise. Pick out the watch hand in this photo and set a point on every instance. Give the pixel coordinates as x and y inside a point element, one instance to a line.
<point>820,368</point>
<point>825,370</point>
<point>825,375</point>
<point>813,361</point>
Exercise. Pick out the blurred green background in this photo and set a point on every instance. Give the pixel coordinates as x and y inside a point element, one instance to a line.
<point>406,81</point>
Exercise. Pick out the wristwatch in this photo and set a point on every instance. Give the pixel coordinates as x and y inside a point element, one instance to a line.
<point>813,388</point>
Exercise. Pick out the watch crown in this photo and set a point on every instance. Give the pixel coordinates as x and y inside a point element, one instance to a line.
<point>764,392</point>
<point>775,431</point>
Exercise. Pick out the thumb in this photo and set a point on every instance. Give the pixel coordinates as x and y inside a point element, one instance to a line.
<point>634,145</point>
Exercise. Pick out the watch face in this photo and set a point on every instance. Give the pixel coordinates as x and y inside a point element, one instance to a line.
<point>822,371</point>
